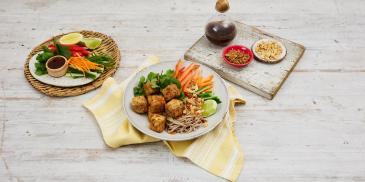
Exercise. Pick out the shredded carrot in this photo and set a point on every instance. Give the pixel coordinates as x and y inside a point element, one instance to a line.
<point>83,64</point>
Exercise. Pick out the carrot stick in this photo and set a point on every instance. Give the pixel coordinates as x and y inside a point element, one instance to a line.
<point>178,67</point>
<point>188,71</point>
<point>209,78</point>
<point>198,80</point>
<point>206,84</point>
<point>187,80</point>
<point>184,72</point>
<point>197,74</point>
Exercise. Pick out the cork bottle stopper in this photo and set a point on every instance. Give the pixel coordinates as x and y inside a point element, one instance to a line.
<point>222,6</point>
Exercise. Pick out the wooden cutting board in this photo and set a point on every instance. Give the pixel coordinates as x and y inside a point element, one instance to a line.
<point>260,78</point>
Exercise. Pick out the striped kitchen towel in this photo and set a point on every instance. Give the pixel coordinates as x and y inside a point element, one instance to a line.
<point>217,151</point>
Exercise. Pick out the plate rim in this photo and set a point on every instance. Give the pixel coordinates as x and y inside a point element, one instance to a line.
<point>189,137</point>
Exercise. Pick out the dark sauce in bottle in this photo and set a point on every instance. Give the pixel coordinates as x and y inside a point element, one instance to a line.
<point>55,63</point>
<point>220,32</point>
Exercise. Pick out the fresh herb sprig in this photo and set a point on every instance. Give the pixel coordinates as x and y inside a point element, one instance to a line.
<point>167,78</point>
<point>138,90</point>
<point>42,58</point>
<point>210,96</point>
<point>158,81</point>
<point>105,60</point>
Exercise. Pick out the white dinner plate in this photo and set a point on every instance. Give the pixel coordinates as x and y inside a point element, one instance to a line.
<point>64,81</point>
<point>140,121</point>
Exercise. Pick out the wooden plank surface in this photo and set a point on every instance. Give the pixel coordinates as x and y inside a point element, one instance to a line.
<point>261,78</point>
<point>314,130</point>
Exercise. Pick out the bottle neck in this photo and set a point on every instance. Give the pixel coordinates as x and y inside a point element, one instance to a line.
<point>220,17</point>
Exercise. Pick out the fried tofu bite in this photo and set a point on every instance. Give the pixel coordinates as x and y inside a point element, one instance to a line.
<point>149,99</point>
<point>148,90</point>
<point>157,122</point>
<point>156,104</point>
<point>170,92</point>
<point>139,104</point>
<point>174,108</point>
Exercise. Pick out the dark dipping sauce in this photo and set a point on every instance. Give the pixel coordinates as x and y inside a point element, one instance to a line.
<point>220,32</point>
<point>56,62</point>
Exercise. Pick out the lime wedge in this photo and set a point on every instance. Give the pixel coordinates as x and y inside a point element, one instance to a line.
<point>71,38</point>
<point>92,43</point>
<point>209,108</point>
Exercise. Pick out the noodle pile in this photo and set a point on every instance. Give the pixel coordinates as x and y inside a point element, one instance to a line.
<point>185,124</point>
<point>192,118</point>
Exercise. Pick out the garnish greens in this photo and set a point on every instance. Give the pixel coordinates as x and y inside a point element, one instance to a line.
<point>157,81</point>
<point>152,78</point>
<point>42,58</point>
<point>104,60</point>
<point>168,78</point>
<point>62,50</point>
<point>138,90</point>
<point>209,96</point>
<point>75,73</point>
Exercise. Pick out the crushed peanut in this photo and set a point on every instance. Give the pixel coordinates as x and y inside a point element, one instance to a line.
<point>269,50</point>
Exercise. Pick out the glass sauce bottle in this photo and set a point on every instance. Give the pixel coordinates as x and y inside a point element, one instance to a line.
<point>220,29</point>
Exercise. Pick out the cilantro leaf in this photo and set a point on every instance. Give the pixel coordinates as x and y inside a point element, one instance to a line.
<point>158,81</point>
<point>210,96</point>
<point>153,79</point>
<point>40,68</point>
<point>42,58</point>
<point>45,55</point>
<point>167,78</point>
<point>138,90</point>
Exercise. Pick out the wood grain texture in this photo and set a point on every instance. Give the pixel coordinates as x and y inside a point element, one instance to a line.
<point>261,78</point>
<point>312,131</point>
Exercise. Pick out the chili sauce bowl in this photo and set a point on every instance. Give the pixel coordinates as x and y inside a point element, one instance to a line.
<point>239,48</point>
<point>57,66</point>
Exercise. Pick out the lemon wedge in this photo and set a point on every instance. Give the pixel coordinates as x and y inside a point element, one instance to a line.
<point>71,38</point>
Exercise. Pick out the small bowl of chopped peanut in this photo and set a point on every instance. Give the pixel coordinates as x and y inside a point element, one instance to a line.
<point>269,51</point>
<point>237,55</point>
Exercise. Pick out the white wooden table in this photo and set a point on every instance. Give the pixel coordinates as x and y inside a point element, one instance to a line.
<point>314,129</point>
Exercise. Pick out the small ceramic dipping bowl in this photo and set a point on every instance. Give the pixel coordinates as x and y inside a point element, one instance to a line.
<point>239,48</point>
<point>57,66</point>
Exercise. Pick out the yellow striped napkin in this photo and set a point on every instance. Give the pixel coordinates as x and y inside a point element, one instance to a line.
<point>217,152</point>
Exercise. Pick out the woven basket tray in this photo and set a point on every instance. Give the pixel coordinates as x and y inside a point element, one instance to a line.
<point>108,47</point>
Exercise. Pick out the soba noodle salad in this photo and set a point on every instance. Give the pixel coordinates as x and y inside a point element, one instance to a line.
<point>176,101</point>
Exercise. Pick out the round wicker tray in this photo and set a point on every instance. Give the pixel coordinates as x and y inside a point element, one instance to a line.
<point>108,47</point>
